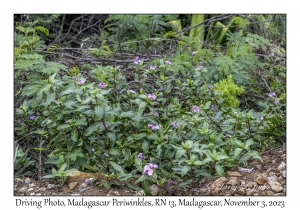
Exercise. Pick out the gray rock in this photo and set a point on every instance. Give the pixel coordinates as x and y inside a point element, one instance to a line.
<point>272,178</point>
<point>270,193</point>
<point>251,185</point>
<point>51,186</point>
<point>30,189</point>
<point>252,192</point>
<point>284,173</point>
<point>23,189</point>
<point>72,185</point>
<point>38,194</point>
<point>241,191</point>
<point>275,186</point>
<point>281,166</point>
<point>32,194</point>
<point>27,181</point>
<point>154,189</point>
<point>31,185</point>
<point>233,181</point>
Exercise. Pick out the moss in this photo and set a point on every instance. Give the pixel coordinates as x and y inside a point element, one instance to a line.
<point>229,91</point>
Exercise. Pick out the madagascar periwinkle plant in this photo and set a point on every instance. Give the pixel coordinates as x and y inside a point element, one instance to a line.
<point>161,124</point>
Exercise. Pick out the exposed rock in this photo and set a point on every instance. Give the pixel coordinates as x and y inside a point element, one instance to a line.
<point>32,194</point>
<point>270,193</point>
<point>275,186</point>
<point>234,173</point>
<point>31,185</point>
<point>154,189</point>
<point>72,185</point>
<point>30,189</point>
<point>233,181</point>
<point>261,180</point>
<point>23,189</point>
<point>51,186</point>
<point>140,193</point>
<point>251,185</point>
<point>216,191</point>
<point>219,182</point>
<point>78,176</point>
<point>42,189</point>
<point>284,173</point>
<point>281,166</point>
<point>38,194</point>
<point>272,178</point>
<point>27,181</point>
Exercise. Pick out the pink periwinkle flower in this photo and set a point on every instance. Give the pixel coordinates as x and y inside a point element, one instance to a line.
<point>199,67</point>
<point>168,62</point>
<point>213,107</point>
<point>93,149</point>
<point>156,114</point>
<point>152,96</point>
<point>261,117</point>
<point>272,94</point>
<point>137,60</point>
<point>102,85</point>
<point>152,67</point>
<point>176,124</point>
<point>66,121</point>
<point>88,181</point>
<point>153,165</point>
<point>132,91</point>
<point>196,108</point>
<point>141,156</point>
<point>211,87</point>
<point>147,170</point>
<point>80,82</point>
<point>167,137</point>
<point>32,117</point>
<point>276,102</point>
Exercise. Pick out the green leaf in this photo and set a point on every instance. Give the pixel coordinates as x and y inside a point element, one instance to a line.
<point>40,149</point>
<point>106,184</point>
<point>145,146</point>
<point>138,164</point>
<point>147,187</point>
<point>179,153</point>
<point>185,169</point>
<point>220,171</point>
<point>63,126</point>
<point>237,151</point>
<point>142,178</point>
<point>114,151</point>
<point>139,136</point>
<point>99,112</point>
<point>92,168</point>
<point>92,128</point>
<point>50,176</point>
<point>136,188</point>
<point>124,177</point>
<point>117,167</point>
<point>142,106</point>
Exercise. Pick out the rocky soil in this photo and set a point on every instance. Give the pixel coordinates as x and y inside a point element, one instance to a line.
<point>268,178</point>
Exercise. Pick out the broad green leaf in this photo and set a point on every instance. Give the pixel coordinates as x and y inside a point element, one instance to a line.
<point>179,153</point>
<point>142,106</point>
<point>92,128</point>
<point>145,146</point>
<point>92,168</point>
<point>220,171</point>
<point>124,177</point>
<point>114,151</point>
<point>50,176</point>
<point>139,136</point>
<point>237,151</point>
<point>136,188</point>
<point>99,112</point>
<point>117,167</point>
<point>138,164</point>
<point>185,169</point>
<point>142,178</point>
<point>146,187</point>
<point>63,126</point>
<point>106,184</point>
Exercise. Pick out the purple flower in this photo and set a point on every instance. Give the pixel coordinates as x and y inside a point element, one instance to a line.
<point>122,77</point>
<point>152,67</point>
<point>66,121</point>
<point>141,156</point>
<point>32,117</point>
<point>167,137</point>
<point>272,54</point>
<point>137,60</point>
<point>152,96</point>
<point>168,62</point>
<point>196,108</point>
<point>199,67</point>
<point>211,87</point>
<point>88,181</point>
<point>176,124</point>
<point>147,170</point>
<point>276,102</point>
<point>213,107</point>
<point>93,149</point>
<point>102,85</point>
<point>132,91</point>
<point>261,117</point>
<point>153,165</point>
<point>80,82</point>
<point>154,127</point>
<point>272,94</point>
<point>156,114</point>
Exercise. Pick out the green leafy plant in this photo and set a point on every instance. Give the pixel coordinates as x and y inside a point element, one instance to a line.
<point>61,174</point>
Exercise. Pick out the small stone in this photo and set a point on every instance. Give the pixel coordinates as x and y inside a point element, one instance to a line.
<point>234,173</point>
<point>23,189</point>
<point>252,192</point>
<point>261,180</point>
<point>51,186</point>
<point>251,184</point>
<point>116,193</point>
<point>272,178</point>
<point>154,189</point>
<point>38,194</point>
<point>31,185</point>
<point>32,194</point>
<point>241,191</point>
<point>270,193</point>
<point>216,191</point>
<point>233,181</point>
<point>219,182</point>
<point>140,193</point>
<point>27,181</point>
<point>279,194</point>
<point>284,173</point>
<point>72,185</point>
<point>258,167</point>
<point>275,186</point>
<point>243,183</point>
<point>281,166</point>
<point>274,161</point>
<point>42,189</point>
<point>30,189</point>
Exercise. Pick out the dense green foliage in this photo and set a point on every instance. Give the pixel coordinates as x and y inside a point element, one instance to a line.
<point>133,97</point>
